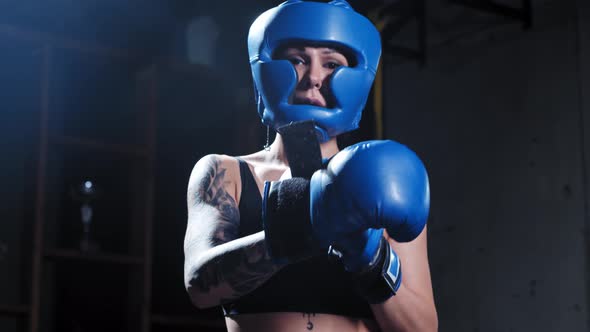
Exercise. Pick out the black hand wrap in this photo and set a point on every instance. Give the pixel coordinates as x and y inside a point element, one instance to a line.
<point>286,220</point>
<point>382,278</point>
<point>285,204</point>
<point>302,148</point>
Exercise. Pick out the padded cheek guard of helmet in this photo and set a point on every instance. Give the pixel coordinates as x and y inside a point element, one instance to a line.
<point>277,80</point>
<point>301,22</point>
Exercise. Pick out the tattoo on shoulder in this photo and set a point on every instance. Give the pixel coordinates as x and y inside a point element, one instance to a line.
<point>211,191</point>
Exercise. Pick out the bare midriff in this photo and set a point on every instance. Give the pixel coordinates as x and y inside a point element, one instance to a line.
<point>293,321</point>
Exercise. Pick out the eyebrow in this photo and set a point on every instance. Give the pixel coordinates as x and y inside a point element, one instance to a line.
<point>281,51</point>
<point>329,51</point>
<point>326,49</point>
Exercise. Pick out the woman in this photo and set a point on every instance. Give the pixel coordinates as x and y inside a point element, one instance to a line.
<point>310,61</point>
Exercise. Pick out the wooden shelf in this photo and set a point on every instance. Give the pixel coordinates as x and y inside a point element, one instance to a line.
<point>129,150</point>
<point>71,254</point>
<point>13,310</point>
<point>179,321</point>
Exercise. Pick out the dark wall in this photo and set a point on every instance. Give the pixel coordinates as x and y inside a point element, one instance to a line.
<point>500,118</point>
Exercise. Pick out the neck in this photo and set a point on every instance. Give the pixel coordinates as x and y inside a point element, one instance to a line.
<point>277,150</point>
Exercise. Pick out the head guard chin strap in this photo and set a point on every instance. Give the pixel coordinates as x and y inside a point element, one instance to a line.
<point>334,23</point>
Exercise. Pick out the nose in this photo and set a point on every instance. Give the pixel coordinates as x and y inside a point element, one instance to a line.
<point>315,76</point>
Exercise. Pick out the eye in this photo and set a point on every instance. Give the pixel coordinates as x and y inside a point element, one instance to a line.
<point>296,61</point>
<point>333,65</point>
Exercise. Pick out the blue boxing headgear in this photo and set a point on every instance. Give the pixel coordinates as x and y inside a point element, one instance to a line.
<point>334,23</point>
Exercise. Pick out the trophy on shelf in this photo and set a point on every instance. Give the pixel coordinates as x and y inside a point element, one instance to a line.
<point>86,193</point>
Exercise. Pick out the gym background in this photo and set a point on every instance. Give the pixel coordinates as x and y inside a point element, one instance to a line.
<point>106,105</point>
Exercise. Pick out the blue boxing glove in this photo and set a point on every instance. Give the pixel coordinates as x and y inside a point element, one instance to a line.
<point>368,187</point>
<point>373,184</point>
<point>365,188</point>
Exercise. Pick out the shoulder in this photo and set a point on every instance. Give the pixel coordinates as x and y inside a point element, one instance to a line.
<point>212,164</point>
<point>214,171</point>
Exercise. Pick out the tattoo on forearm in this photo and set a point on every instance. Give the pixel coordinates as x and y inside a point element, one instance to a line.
<point>243,269</point>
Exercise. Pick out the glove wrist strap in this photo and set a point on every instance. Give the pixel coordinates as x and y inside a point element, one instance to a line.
<point>382,278</point>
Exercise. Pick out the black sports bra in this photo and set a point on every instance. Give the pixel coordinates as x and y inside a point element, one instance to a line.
<point>316,285</point>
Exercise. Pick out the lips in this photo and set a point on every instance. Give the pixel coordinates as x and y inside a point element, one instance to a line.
<point>309,101</point>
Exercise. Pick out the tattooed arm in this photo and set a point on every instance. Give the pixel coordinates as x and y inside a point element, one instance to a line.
<point>219,266</point>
